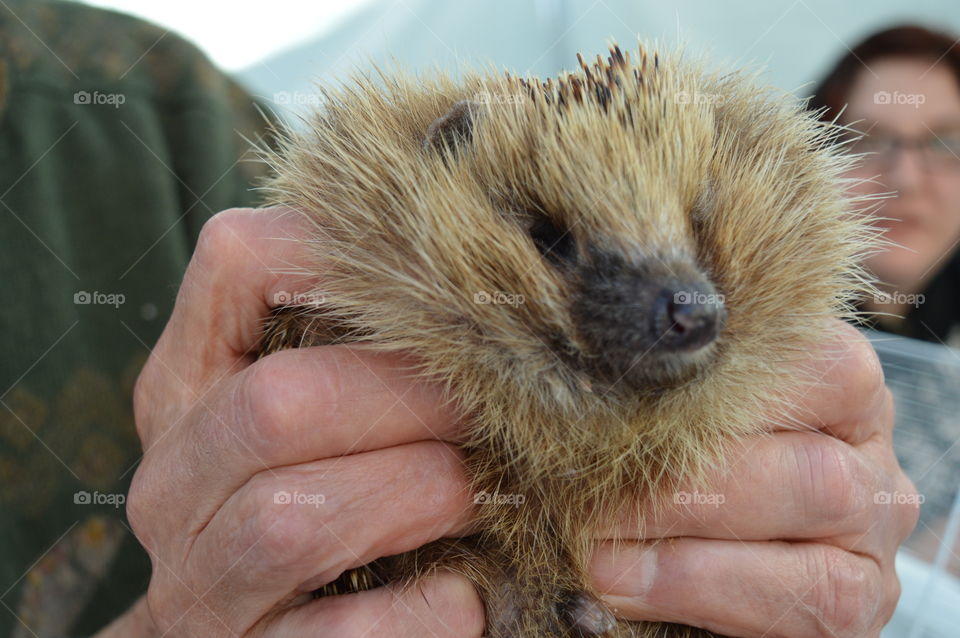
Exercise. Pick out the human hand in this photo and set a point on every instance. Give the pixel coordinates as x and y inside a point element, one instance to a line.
<point>224,435</point>
<point>791,541</point>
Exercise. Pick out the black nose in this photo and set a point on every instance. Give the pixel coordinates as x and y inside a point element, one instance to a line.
<point>687,317</point>
<point>647,325</point>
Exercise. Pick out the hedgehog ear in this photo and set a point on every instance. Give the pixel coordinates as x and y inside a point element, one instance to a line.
<point>454,127</point>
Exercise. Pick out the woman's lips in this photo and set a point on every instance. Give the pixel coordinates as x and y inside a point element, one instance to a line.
<point>907,233</point>
<point>895,222</point>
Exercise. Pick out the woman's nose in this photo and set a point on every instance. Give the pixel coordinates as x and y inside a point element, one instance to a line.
<point>905,169</point>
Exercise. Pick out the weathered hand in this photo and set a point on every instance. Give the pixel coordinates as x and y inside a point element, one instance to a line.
<point>264,479</point>
<point>797,539</point>
<point>797,548</point>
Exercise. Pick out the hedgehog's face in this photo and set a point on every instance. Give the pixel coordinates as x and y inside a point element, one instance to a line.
<point>668,237</point>
<point>600,218</point>
<point>642,319</point>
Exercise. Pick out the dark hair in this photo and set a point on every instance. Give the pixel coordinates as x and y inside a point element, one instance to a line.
<point>905,41</point>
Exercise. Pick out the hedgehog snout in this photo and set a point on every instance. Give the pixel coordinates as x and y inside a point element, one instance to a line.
<point>646,325</point>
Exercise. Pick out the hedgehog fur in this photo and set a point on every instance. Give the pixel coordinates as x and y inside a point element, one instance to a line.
<point>496,226</point>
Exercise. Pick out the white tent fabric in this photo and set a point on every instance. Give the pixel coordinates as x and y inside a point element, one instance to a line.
<point>795,40</point>
<point>924,378</point>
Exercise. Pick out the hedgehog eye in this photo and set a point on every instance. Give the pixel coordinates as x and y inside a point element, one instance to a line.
<point>697,220</point>
<point>556,244</point>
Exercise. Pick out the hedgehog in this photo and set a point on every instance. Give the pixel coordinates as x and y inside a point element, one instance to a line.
<point>612,273</point>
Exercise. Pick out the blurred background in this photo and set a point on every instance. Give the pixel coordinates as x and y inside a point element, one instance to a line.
<point>280,48</point>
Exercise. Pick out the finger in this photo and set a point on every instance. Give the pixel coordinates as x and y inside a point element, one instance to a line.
<point>898,495</point>
<point>288,408</point>
<point>302,526</point>
<point>242,259</point>
<point>798,485</point>
<point>443,606</point>
<point>842,390</point>
<point>780,589</point>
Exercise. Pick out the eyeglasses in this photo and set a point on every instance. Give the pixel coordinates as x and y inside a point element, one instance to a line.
<point>938,150</point>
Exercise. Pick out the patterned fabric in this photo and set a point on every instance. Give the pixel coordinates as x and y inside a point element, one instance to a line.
<point>118,140</point>
<point>924,379</point>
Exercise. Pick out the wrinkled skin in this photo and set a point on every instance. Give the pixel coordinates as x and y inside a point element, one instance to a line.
<point>811,553</point>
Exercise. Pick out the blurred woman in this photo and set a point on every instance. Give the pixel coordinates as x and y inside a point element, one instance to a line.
<point>901,88</point>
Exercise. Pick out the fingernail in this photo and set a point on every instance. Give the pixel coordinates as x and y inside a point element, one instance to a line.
<point>627,572</point>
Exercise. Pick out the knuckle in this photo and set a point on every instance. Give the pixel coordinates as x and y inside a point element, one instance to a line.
<point>888,411</point>
<point>268,410</point>
<point>170,602</point>
<point>160,609</point>
<point>151,398</point>
<point>863,377</point>
<point>908,513</point>
<point>275,391</point>
<point>283,534</point>
<point>141,507</point>
<point>263,399</point>
<point>890,598</point>
<point>160,600</point>
<point>846,594</point>
<point>441,471</point>
<point>222,234</point>
<point>834,484</point>
<point>458,599</point>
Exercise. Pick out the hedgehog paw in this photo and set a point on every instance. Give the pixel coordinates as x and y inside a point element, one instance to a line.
<point>586,615</point>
